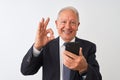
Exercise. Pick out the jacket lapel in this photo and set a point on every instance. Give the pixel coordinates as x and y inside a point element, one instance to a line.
<point>56,61</point>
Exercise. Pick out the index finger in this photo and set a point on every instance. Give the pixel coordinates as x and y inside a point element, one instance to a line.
<point>70,54</point>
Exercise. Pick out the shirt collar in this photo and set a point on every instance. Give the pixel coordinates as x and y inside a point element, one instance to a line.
<point>61,41</point>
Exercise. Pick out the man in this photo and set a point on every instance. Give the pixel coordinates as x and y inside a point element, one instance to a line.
<point>49,52</point>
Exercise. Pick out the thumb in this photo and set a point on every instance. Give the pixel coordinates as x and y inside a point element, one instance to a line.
<point>80,52</point>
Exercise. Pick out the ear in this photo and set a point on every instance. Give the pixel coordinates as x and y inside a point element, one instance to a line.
<point>56,23</point>
<point>78,25</point>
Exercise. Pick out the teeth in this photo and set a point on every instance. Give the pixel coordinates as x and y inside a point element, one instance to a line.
<point>67,31</point>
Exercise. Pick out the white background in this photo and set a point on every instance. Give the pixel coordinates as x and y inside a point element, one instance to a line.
<point>100,23</point>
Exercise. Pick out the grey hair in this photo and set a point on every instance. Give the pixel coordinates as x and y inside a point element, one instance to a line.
<point>69,8</point>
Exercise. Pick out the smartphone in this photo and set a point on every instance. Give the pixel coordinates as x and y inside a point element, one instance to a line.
<point>72,47</point>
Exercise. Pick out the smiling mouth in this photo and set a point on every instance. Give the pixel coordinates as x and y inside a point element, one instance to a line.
<point>67,31</point>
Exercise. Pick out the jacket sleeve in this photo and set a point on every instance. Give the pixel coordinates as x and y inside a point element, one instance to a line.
<point>31,64</point>
<point>93,72</point>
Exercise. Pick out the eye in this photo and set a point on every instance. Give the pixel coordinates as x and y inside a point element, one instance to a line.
<point>63,22</point>
<point>73,23</point>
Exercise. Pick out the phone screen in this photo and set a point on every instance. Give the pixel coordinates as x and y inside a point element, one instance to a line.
<point>73,47</point>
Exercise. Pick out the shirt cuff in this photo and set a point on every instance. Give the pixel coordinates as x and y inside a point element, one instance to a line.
<point>83,74</point>
<point>84,77</point>
<point>36,52</point>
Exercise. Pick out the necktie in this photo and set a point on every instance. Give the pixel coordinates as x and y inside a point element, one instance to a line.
<point>66,71</point>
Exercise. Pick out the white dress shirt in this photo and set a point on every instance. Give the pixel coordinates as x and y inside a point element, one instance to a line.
<point>62,48</point>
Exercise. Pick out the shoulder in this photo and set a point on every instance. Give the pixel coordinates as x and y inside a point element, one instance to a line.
<point>85,42</point>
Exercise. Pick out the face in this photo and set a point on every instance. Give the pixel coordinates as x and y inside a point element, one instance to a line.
<point>67,25</point>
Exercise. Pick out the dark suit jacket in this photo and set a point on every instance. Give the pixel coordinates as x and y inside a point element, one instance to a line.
<point>49,60</point>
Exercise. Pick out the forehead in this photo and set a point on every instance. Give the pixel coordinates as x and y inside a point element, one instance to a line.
<point>68,14</point>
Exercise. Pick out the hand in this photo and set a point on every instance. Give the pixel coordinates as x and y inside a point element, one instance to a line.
<point>42,37</point>
<point>75,62</point>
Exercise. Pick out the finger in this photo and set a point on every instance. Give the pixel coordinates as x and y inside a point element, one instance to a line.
<point>80,52</point>
<point>70,54</point>
<point>40,27</point>
<point>50,34</point>
<point>67,60</point>
<point>42,22</point>
<point>46,23</point>
<point>50,31</point>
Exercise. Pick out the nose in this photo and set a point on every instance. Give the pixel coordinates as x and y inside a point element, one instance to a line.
<point>68,26</point>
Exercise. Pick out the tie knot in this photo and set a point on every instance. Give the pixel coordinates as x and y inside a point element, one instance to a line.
<point>72,47</point>
<point>65,44</point>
